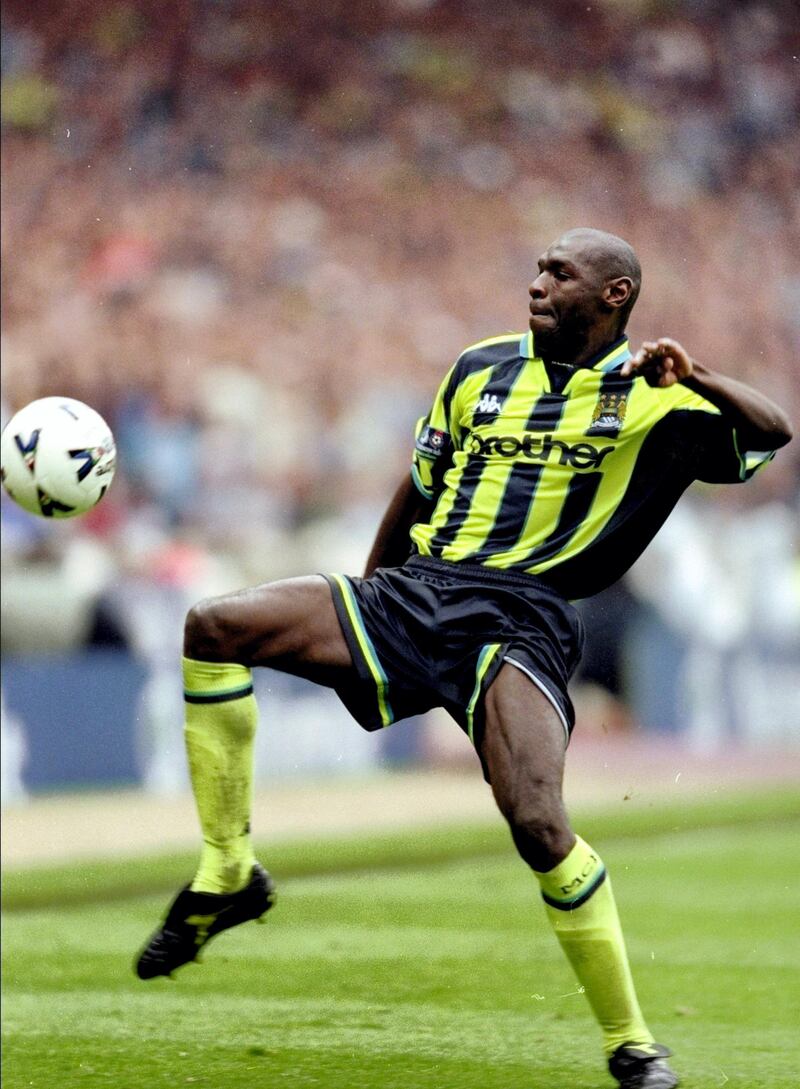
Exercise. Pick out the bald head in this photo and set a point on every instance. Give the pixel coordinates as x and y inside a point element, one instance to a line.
<point>610,257</point>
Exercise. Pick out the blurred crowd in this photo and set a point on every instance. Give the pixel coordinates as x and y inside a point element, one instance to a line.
<point>255,234</point>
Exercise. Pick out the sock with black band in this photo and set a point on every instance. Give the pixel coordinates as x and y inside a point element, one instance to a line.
<point>582,911</point>
<point>220,726</point>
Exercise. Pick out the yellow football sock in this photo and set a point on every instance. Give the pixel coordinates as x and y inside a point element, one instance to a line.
<point>581,908</point>
<point>221,720</point>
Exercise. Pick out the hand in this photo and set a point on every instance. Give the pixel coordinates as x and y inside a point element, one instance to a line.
<point>661,363</point>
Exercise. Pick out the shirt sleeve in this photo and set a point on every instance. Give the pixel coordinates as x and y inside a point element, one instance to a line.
<point>719,455</point>
<point>436,439</point>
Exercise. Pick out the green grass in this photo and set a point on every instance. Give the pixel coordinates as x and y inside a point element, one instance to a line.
<point>109,880</point>
<point>424,973</point>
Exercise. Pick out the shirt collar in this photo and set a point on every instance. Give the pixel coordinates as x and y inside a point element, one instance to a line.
<point>609,358</point>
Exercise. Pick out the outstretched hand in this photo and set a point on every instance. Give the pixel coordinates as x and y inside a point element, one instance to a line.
<point>661,363</point>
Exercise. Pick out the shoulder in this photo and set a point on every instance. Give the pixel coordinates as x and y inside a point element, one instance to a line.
<point>493,349</point>
<point>485,354</point>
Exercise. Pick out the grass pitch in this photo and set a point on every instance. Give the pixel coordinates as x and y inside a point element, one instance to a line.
<point>439,974</point>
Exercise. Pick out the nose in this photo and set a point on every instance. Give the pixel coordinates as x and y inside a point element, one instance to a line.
<point>537,288</point>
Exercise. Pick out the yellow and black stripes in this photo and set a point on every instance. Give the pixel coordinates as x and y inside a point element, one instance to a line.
<point>512,512</point>
<point>497,381</point>
<point>575,508</point>
<point>546,412</point>
<point>443,429</point>
<point>541,467</point>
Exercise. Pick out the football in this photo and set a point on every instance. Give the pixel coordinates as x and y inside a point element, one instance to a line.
<point>57,457</point>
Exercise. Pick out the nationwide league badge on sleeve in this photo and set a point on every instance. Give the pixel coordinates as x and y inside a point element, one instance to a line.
<point>432,443</point>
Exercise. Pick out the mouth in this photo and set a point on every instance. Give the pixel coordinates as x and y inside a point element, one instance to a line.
<point>539,317</point>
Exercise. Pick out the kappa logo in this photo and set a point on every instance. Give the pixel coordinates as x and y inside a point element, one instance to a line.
<point>609,413</point>
<point>489,402</point>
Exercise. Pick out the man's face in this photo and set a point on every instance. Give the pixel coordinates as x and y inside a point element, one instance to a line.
<point>566,297</point>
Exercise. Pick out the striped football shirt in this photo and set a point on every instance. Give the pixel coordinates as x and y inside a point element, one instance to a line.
<point>561,472</point>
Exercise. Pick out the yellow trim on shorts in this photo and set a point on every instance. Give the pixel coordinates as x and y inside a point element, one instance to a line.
<point>367,649</point>
<point>485,659</point>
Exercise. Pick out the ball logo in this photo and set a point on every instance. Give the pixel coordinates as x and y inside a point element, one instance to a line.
<point>88,459</point>
<point>48,505</point>
<point>27,448</point>
<point>91,457</point>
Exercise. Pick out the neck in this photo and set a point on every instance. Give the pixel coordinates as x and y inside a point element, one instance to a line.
<point>580,351</point>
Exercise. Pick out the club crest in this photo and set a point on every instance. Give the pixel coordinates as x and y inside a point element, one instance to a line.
<point>609,413</point>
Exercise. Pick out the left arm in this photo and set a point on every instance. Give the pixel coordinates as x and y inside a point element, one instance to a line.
<point>759,422</point>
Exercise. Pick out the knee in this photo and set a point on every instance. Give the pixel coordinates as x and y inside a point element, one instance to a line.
<point>540,830</point>
<point>207,633</point>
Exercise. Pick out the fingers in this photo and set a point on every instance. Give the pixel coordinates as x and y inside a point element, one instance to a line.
<point>656,369</point>
<point>661,362</point>
<point>657,349</point>
<point>670,345</point>
<point>647,357</point>
<point>648,353</point>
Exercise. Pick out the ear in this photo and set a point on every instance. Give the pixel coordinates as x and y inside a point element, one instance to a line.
<point>617,292</point>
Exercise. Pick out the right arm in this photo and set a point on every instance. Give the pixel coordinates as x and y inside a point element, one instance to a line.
<point>392,545</point>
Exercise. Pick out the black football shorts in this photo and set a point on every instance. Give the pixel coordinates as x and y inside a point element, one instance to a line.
<point>435,634</point>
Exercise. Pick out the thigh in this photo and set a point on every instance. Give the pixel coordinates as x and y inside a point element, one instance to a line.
<point>290,625</point>
<point>522,746</point>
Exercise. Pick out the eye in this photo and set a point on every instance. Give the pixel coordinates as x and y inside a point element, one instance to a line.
<point>561,275</point>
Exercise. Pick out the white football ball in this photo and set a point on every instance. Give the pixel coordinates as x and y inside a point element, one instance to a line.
<point>57,457</point>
